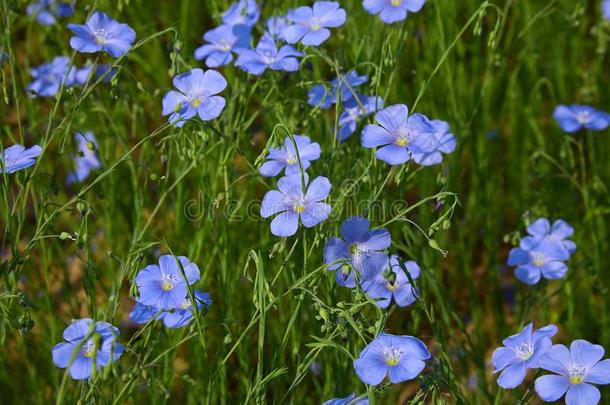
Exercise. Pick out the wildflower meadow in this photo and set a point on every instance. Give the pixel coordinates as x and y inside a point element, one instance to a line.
<point>305,202</point>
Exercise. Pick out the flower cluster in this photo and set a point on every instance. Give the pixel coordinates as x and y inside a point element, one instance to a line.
<point>543,252</point>
<point>402,137</point>
<point>164,292</point>
<point>47,11</point>
<point>576,369</point>
<point>50,77</point>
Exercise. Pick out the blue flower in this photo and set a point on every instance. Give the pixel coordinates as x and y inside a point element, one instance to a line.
<point>400,135</point>
<point>285,157</point>
<point>81,353</point>
<point>183,314</point>
<point>391,281</point>
<point>310,24</point>
<point>606,9</point>
<point>275,26</point>
<point>293,202</point>
<point>574,117</point>
<point>318,95</point>
<point>87,159</point>
<point>578,369</point>
<point>195,96</point>
<point>223,41</point>
<point>242,12</point>
<point>543,252</point>
<point>82,75</point>
<point>348,400</point>
<point>164,286</point>
<point>47,11</point>
<point>266,55</point>
<point>401,358</point>
<point>353,111</point>
<point>17,158</point>
<point>361,248</point>
<point>48,77</point>
<point>391,11</point>
<point>442,142</point>
<point>520,352</point>
<point>102,33</point>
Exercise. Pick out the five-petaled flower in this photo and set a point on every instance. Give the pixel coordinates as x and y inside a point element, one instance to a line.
<point>195,96</point>
<point>18,157</point>
<point>576,371</point>
<point>223,41</point>
<point>401,358</point>
<point>391,11</point>
<point>391,281</point>
<point>543,252</point>
<point>520,352</point>
<point>574,117</point>
<point>296,199</point>
<point>361,248</point>
<point>441,142</point>
<point>89,346</point>
<point>310,24</point>
<point>266,55</point>
<point>287,156</point>
<point>164,286</point>
<point>102,33</point>
<point>400,136</point>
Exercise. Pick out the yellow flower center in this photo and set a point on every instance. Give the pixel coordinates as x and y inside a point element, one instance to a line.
<point>396,3</point>
<point>402,142</point>
<point>196,102</point>
<point>299,207</point>
<point>391,286</point>
<point>576,379</point>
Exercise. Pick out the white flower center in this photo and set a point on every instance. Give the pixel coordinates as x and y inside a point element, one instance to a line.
<point>315,24</point>
<point>100,36</point>
<point>186,304</point>
<point>583,117</point>
<point>576,374</point>
<point>524,351</point>
<point>403,137</point>
<point>538,259</point>
<point>291,159</point>
<point>224,46</point>
<point>299,207</point>
<point>268,58</point>
<point>89,349</point>
<point>168,282</point>
<point>392,355</point>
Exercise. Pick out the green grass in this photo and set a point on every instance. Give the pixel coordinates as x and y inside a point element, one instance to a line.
<point>494,70</point>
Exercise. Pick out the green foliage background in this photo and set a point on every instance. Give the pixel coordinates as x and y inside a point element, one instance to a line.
<point>494,70</point>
